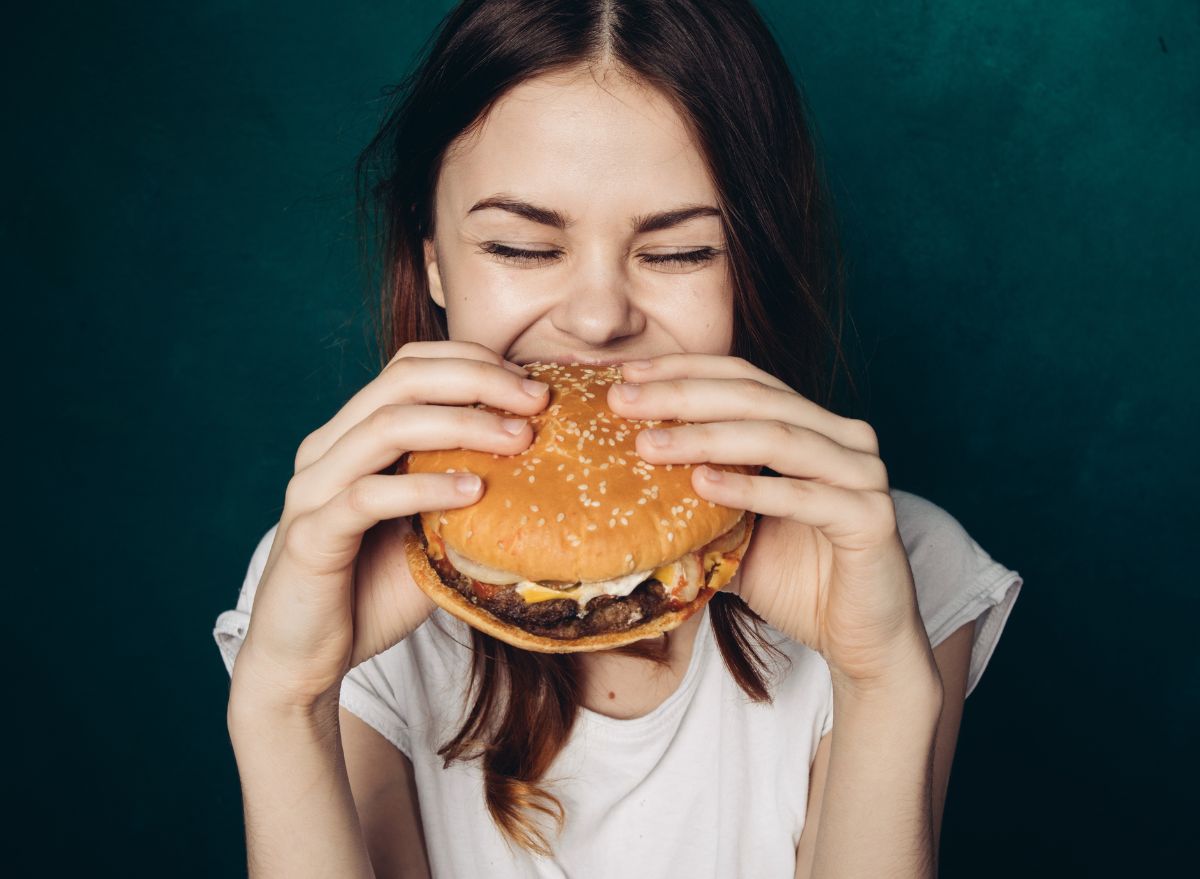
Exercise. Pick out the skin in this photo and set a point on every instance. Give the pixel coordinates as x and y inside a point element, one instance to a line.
<point>828,567</point>
<point>600,152</point>
<point>324,793</point>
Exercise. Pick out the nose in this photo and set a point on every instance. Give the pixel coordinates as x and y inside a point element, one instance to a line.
<point>597,307</point>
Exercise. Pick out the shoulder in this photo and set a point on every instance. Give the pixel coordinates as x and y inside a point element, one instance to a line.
<point>956,579</point>
<point>943,556</point>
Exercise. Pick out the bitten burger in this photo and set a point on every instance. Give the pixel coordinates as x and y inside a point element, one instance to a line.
<point>577,542</point>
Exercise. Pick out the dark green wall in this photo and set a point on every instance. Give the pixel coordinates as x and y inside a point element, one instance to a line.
<point>1019,186</point>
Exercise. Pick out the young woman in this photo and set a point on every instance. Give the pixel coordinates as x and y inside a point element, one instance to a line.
<point>631,183</point>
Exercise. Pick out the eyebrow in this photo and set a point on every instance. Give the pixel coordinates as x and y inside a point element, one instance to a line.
<point>641,224</point>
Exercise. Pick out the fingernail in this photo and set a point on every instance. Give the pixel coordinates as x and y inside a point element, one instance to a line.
<point>658,437</point>
<point>534,389</point>
<point>637,364</point>
<point>712,475</point>
<point>629,392</point>
<point>514,425</point>
<point>467,483</point>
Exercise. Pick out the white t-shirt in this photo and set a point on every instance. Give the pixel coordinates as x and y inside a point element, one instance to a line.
<point>709,784</point>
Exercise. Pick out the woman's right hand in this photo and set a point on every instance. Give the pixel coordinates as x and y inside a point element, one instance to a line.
<point>336,588</point>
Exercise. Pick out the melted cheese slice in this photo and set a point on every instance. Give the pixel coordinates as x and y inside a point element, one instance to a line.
<point>582,592</point>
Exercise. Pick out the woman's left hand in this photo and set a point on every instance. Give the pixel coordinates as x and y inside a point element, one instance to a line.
<point>825,565</point>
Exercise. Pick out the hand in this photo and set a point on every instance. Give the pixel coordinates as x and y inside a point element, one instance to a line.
<point>825,566</point>
<point>336,588</point>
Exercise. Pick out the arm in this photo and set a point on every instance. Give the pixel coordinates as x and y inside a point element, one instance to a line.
<point>953,659</point>
<point>385,793</point>
<point>299,811</point>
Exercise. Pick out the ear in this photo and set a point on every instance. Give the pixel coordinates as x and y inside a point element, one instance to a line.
<point>434,275</point>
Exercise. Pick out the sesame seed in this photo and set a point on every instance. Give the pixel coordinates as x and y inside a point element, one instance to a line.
<point>591,526</point>
<point>612,522</point>
<point>442,519</point>
<point>524,520</point>
<point>624,521</point>
<point>541,521</point>
<point>562,516</point>
<point>570,476</point>
<point>533,508</point>
<point>670,536</point>
<point>531,479</point>
<point>508,503</point>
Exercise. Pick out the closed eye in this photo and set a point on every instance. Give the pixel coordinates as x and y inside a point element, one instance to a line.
<point>539,257</point>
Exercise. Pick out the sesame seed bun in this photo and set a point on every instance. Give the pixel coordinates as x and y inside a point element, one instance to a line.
<point>579,504</point>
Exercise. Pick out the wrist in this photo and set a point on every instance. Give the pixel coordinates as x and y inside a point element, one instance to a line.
<point>916,694</point>
<point>251,711</point>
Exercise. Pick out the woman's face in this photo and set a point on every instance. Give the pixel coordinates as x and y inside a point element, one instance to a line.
<point>584,167</point>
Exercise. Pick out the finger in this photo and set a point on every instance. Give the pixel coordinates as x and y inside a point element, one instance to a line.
<point>786,448</point>
<point>380,439</point>
<point>452,380</point>
<point>700,366</point>
<point>850,519</point>
<point>450,348</point>
<point>736,399</point>
<point>327,540</point>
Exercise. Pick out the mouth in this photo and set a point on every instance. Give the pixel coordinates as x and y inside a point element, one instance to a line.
<point>576,358</point>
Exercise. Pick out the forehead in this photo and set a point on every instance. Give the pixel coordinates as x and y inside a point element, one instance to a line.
<point>577,140</point>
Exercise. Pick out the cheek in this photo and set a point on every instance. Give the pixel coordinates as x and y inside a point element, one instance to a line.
<point>486,307</point>
<point>700,318</point>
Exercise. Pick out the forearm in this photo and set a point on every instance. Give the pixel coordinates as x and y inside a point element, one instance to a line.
<point>876,810</point>
<point>299,812</point>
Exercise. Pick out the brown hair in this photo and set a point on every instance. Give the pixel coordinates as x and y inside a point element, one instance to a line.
<point>718,63</point>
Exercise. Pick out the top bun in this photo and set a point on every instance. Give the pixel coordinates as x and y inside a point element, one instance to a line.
<point>579,503</point>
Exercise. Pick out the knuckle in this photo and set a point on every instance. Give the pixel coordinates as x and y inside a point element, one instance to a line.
<point>749,388</point>
<point>781,431</point>
<point>305,453</point>
<point>883,512</point>
<point>879,473</point>
<point>864,434</point>
<point>360,496</point>
<point>799,488</point>
<point>298,536</point>
<point>295,494</point>
<point>384,420</point>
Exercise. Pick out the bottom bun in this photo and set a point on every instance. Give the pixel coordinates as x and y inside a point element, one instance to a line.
<point>457,605</point>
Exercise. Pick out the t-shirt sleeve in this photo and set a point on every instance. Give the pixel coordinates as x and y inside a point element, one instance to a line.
<point>368,690</point>
<point>956,580</point>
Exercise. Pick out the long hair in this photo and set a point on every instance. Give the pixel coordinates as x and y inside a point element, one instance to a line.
<point>719,65</point>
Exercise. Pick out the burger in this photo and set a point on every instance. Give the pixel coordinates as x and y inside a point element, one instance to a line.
<point>577,543</point>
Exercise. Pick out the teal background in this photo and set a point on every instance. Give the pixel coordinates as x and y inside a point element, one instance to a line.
<point>1019,186</point>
